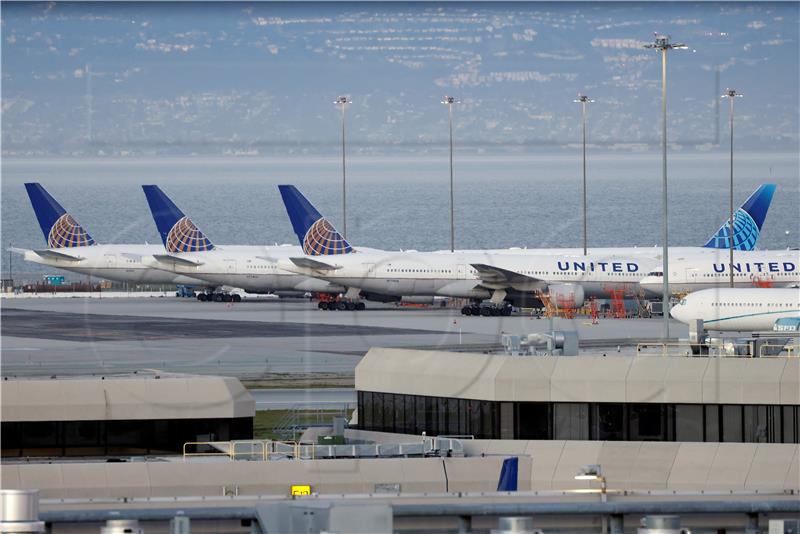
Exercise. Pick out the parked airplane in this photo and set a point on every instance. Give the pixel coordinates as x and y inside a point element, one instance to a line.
<point>739,308</point>
<point>71,248</point>
<point>502,275</point>
<point>252,268</point>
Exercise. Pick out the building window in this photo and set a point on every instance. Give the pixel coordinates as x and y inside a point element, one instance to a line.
<point>608,422</point>
<point>646,422</point>
<point>688,422</point>
<point>507,420</point>
<point>732,423</point>
<point>422,424</point>
<point>712,422</point>
<point>534,421</point>
<point>790,424</point>
<point>413,414</point>
<point>571,421</point>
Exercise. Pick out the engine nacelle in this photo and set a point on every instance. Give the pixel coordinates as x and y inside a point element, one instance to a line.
<point>566,296</point>
<point>379,297</point>
<point>417,300</point>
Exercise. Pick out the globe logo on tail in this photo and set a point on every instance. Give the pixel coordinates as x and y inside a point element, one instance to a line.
<point>745,233</point>
<point>322,239</point>
<point>186,237</point>
<point>67,233</point>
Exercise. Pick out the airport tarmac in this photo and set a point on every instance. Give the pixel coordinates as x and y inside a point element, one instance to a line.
<point>66,336</point>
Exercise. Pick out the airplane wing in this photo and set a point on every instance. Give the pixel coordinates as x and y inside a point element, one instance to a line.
<point>308,263</point>
<point>168,258</point>
<point>52,254</point>
<point>498,277</point>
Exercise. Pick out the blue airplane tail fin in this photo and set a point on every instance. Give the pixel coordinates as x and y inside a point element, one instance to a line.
<point>59,228</point>
<point>317,235</point>
<point>508,475</point>
<point>747,222</point>
<point>178,232</point>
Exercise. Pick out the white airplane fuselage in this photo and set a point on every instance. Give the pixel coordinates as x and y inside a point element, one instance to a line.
<point>453,274</point>
<point>739,309</point>
<point>120,263</point>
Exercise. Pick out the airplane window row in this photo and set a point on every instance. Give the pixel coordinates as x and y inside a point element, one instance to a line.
<point>418,271</point>
<point>727,275</point>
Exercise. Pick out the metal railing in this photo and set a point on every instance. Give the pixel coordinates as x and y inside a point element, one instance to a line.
<point>726,349</point>
<point>269,450</point>
<point>775,350</point>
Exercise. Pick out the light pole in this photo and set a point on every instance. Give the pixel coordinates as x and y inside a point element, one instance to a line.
<point>662,43</point>
<point>582,100</point>
<point>731,94</point>
<point>343,101</point>
<point>449,101</point>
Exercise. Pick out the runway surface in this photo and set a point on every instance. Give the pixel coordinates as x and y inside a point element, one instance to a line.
<point>257,340</point>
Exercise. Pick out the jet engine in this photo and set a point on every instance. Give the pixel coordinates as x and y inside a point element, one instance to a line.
<point>566,296</point>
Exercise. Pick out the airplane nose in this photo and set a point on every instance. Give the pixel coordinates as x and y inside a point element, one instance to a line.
<point>679,312</point>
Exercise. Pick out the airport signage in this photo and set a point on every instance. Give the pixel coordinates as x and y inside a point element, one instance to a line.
<point>299,490</point>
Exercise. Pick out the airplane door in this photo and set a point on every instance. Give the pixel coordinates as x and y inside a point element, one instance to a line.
<point>369,269</point>
<point>462,272</point>
<point>691,276</point>
<point>111,260</point>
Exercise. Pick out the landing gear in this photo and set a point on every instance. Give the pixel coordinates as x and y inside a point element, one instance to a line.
<point>219,297</point>
<point>334,304</point>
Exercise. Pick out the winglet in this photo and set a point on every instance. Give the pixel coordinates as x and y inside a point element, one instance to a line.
<point>178,232</point>
<point>317,236</point>
<point>59,228</point>
<point>747,222</point>
<point>508,475</point>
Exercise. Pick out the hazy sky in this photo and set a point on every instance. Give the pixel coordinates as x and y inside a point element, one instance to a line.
<point>215,78</point>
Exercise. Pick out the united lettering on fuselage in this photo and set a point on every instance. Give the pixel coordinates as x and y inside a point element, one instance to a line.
<point>757,267</point>
<point>600,266</point>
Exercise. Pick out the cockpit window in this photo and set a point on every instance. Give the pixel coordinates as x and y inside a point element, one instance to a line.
<point>682,302</point>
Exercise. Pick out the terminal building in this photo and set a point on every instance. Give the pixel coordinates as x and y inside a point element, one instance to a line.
<point>587,398</point>
<point>137,414</point>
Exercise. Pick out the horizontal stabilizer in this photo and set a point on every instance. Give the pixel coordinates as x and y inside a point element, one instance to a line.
<point>497,275</point>
<point>177,260</point>
<point>53,255</point>
<point>308,263</point>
